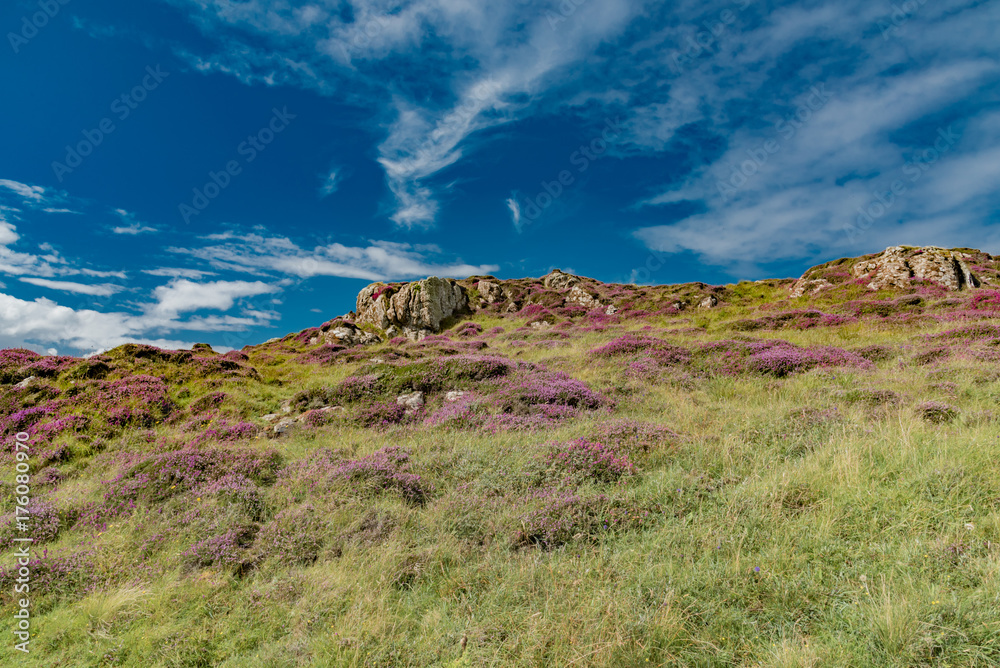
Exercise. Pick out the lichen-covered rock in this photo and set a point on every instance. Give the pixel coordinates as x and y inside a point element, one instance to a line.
<point>899,264</point>
<point>346,334</point>
<point>812,286</point>
<point>412,402</point>
<point>415,309</point>
<point>557,279</point>
<point>490,292</point>
<point>710,301</point>
<point>584,298</point>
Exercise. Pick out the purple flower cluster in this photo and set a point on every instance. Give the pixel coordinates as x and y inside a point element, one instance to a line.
<point>774,357</point>
<point>43,523</point>
<point>459,413</point>
<point>469,329</point>
<point>156,477</point>
<point>225,549</point>
<point>590,461</point>
<point>385,470</point>
<point>380,415</point>
<point>523,391</point>
<point>985,300</point>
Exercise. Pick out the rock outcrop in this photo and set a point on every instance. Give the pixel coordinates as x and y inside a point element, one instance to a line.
<point>413,310</point>
<point>490,292</point>
<point>899,264</point>
<point>346,334</point>
<point>557,279</point>
<point>812,286</point>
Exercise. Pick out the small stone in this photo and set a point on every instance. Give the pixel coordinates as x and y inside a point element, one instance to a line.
<point>413,401</point>
<point>711,301</point>
<point>284,426</point>
<point>454,395</point>
<point>25,383</point>
<point>271,417</point>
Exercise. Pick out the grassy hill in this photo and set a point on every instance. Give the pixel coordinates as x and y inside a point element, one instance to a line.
<point>770,481</point>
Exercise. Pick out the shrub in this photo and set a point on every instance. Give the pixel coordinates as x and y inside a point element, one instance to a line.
<point>937,412</point>
<point>294,536</point>
<point>380,415</point>
<point>558,518</point>
<point>226,548</point>
<point>631,436</point>
<point>385,470</point>
<point>586,460</point>
<point>521,392</point>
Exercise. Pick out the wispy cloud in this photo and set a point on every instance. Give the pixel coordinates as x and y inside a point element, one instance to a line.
<point>131,225</point>
<point>380,260</point>
<point>171,272</point>
<point>102,290</point>
<point>515,212</point>
<point>25,191</point>
<point>331,183</point>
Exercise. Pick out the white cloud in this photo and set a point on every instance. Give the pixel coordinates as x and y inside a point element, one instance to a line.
<point>802,201</point>
<point>380,260</point>
<point>102,290</point>
<point>26,192</point>
<point>515,212</point>
<point>510,52</point>
<point>182,295</point>
<point>171,272</point>
<point>330,184</point>
<point>131,226</point>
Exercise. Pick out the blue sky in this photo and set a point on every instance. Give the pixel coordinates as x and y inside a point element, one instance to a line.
<point>176,171</point>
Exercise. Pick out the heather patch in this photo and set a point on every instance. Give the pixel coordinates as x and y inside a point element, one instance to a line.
<point>634,437</point>
<point>386,470</point>
<point>871,397</point>
<point>875,353</point>
<point>156,477</point>
<point>932,356</point>
<point>985,300</point>
<point>664,353</point>
<point>556,518</point>
<point>208,402</point>
<point>772,357</point>
<point>520,393</point>
<point>380,415</point>
<point>937,412</point>
<point>791,320</point>
<point>582,460</point>
<point>43,520</point>
<point>293,536</point>
<point>225,549</point>
<point>384,380</point>
<point>53,576</point>
<point>973,333</point>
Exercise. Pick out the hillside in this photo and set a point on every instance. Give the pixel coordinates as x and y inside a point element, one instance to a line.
<point>551,471</point>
